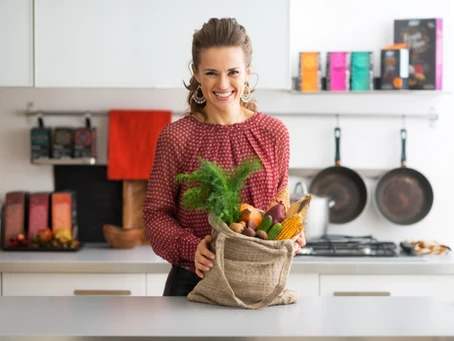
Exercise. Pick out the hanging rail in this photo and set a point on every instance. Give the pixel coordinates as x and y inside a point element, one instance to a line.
<point>432,116</point>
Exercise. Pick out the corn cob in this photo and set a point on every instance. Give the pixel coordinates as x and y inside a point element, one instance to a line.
<point>300,206</point>
<point>291,227</point>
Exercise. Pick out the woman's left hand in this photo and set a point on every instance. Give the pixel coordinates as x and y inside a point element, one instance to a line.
<point>300,242</point>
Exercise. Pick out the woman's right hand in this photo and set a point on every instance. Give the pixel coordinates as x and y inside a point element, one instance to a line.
<point>203,257</point>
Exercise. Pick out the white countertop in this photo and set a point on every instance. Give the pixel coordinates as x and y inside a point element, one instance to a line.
<point>87,318</point>
<point>99,258</point>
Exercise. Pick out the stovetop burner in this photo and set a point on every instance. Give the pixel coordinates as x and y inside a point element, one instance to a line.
<point>349,246</point>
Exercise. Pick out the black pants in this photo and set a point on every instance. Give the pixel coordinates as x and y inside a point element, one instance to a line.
<point>180,282</point>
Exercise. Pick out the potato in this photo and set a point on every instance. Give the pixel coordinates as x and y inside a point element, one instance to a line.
<point>237,227</point>
<point>252,224</point>
<point>261,234</point>
<point>249,232</point>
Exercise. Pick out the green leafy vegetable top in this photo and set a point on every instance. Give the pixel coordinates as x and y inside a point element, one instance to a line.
<point>216,190</point>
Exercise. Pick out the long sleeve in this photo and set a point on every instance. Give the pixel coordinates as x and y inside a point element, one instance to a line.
<point>283,155</point>
<point>168,238</point>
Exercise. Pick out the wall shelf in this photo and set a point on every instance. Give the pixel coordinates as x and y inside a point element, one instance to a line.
<point>75,161</point>
<point>373,92</point>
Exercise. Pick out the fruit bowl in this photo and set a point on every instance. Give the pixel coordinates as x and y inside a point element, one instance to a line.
<point>121,238</point>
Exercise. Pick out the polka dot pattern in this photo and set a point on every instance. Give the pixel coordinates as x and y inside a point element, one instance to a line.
<point>174,232</point>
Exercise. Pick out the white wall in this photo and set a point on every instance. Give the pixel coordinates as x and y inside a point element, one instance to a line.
<point>367,142</point>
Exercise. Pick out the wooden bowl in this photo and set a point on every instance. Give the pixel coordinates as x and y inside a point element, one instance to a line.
<point>121,238</point>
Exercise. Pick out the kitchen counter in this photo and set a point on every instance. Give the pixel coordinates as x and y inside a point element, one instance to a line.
<point>175,318</point>
<point>99,258</point>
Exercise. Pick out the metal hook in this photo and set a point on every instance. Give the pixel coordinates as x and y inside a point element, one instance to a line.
<point>337,120</point>
<point>39,117</point>
<point>88,120</point>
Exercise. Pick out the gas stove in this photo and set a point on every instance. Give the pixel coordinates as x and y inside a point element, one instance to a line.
<point>350,246</point>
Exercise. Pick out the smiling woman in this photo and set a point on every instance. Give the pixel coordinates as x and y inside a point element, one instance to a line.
<point>222,64</point>
<point>222,126</point>
<point>223,75</point>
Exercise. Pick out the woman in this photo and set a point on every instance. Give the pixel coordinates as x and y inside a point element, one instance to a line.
<point>223,126</point>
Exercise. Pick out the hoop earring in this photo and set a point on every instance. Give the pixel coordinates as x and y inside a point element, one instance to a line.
<point>196,98</point>
<point>246,96</point>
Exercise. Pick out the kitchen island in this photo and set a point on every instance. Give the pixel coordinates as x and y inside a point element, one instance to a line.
<point>175,318</point>
<point>96,268</point>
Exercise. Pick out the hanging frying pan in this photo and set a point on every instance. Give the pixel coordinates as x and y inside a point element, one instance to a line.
<point>403,195</point>
<point>344,186</point>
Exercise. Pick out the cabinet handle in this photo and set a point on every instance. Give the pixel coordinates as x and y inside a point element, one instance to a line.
<point>102,292</point>
<point>361,293</point>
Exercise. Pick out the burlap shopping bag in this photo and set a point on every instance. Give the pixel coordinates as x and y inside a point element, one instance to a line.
<point>248,272</point>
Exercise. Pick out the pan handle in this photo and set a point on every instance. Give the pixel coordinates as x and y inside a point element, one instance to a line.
<point>337,136</point>
<point>403,136</point>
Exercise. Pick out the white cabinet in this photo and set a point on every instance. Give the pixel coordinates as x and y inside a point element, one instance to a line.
<point>386,285</point>
<point>16,43</point>
<point>147,43</point>
<point>305,284</point>
<point>156,284</point>
<point>54,284</point>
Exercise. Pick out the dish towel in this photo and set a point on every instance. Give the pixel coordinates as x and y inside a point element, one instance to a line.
<point>132,139</point>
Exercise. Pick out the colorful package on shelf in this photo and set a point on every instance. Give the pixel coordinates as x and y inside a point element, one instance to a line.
<point>338,71</point>
<point>15,217</point>
<point>424,40</point>
<point>64,211</point>
<point>40,139</point>
<point>39,212</point>
<point>394,60</point>
<point>310,73</point>
<point>62,146</point>
<point>362,71</point>
<point>85,142</point>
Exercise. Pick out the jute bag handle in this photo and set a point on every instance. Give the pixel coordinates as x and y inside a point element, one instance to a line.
<point>219,260</point>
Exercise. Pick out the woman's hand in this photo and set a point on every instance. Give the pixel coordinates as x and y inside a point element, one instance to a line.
<point>300,242</point>
<point>203,257</point>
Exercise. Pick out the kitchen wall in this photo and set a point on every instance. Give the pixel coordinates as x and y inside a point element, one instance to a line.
<point>367,143</point>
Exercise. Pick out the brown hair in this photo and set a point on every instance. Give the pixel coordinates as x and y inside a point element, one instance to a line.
<point>225,32</point>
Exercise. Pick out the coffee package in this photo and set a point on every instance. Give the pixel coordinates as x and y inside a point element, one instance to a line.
<point>338,71</point>
<point>424,38</point>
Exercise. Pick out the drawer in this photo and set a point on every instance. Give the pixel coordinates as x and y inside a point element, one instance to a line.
<point>52,284</point>
<point>156,284</point>
<point>305,284</point>
<point>386,285</point>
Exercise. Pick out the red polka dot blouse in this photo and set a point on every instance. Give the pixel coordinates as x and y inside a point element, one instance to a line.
<point>174,232</point>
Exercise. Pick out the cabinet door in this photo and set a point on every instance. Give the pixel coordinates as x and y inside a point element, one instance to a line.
<point>305,284</point>
<point>50,284</point>
<point>147,43</point>
<point>16,43</point>
<point>386,285</point>
<point>155,284</point>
